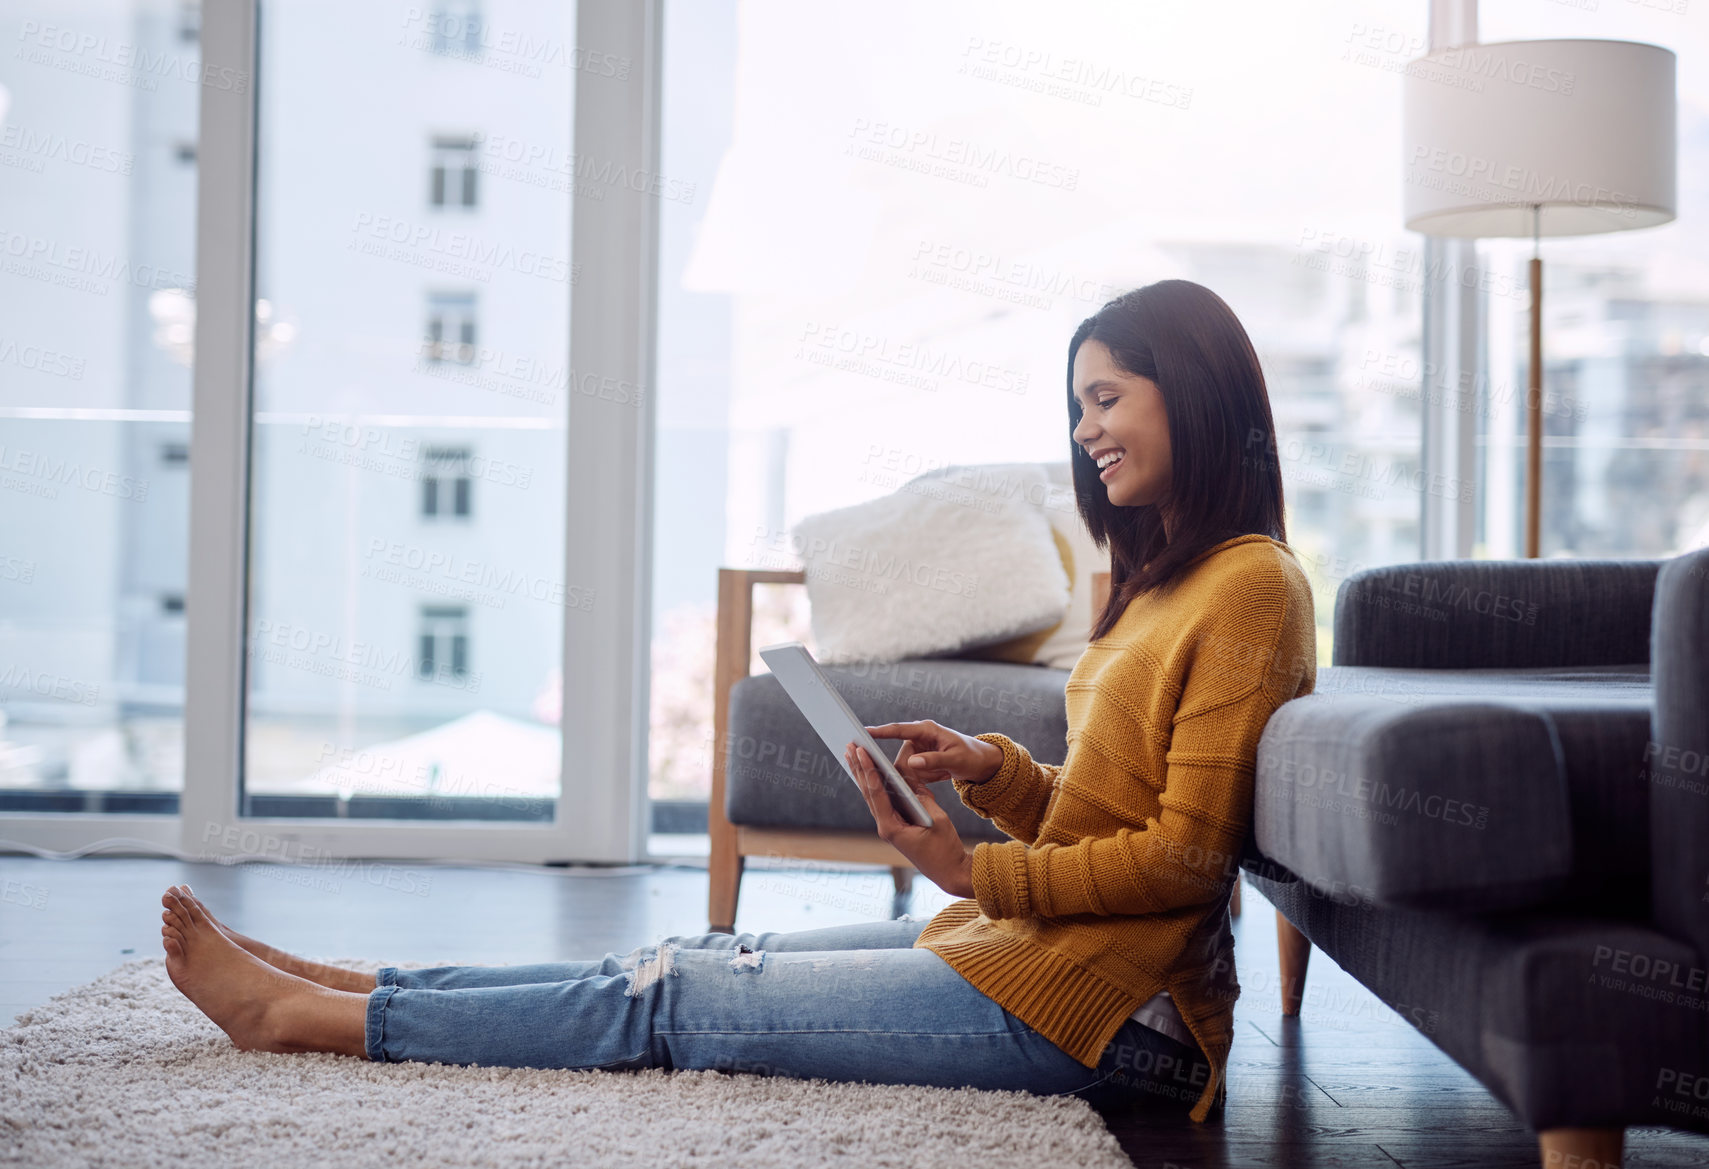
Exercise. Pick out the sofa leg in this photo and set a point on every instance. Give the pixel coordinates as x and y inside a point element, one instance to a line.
<point>725,873</point>
<point>1293,950</point>
<point>1582,1148</point>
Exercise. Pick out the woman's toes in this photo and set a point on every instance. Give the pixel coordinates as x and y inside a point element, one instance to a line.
<point>192,911</point>
<point>195,903</point>
<point>182,908</point>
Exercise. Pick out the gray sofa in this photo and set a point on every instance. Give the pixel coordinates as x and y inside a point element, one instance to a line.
<point>1494,814</point>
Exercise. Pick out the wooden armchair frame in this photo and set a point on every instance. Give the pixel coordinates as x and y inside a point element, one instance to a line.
<point>732,844</point>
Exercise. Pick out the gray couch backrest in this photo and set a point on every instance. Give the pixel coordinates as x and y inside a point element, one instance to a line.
<point>1678,754</point>
<point>1497,614</point>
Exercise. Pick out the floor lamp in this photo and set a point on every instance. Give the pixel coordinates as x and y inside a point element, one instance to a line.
<point>1536,138</point>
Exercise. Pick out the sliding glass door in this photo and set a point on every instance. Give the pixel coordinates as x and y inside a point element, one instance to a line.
<point>407,360</point>
<point>98,118</point>
<point>406,503</point>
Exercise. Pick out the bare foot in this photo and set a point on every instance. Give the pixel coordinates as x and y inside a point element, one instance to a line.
<point>235,989</point>
<point>332,977</point>
<point>260,1007</point>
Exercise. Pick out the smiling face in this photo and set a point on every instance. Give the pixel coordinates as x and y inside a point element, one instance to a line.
<point>1122,415</point>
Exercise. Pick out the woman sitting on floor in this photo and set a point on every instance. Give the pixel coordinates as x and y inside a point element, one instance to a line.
<point>1091,954</point>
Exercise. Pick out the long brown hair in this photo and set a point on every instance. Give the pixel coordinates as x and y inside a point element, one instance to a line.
<point>1226,480</point>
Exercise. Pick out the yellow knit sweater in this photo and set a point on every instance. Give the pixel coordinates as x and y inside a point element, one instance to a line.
<point>1117,881</point>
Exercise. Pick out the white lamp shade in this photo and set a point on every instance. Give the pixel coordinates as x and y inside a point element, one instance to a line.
<point>1582,129</point>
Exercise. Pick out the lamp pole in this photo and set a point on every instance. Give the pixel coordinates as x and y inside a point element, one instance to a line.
<point>1534,400</point>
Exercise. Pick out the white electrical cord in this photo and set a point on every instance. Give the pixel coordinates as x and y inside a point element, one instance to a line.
<point>132,846</point>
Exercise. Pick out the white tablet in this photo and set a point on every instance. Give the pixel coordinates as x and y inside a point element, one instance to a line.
<point>836,724</point>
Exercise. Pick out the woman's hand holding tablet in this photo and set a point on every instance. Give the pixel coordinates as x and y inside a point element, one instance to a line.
<point>937,851</point>
<point>941,753</point>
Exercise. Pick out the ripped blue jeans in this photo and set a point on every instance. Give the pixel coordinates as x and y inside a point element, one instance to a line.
<point>853,1002</point>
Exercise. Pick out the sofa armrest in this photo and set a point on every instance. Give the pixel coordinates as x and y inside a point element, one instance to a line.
<point>1500,614</point>
<point>1441,805</point>
<point>1676,761</point>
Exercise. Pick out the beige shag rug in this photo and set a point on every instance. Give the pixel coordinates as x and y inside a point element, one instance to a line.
<point>125,1072</point>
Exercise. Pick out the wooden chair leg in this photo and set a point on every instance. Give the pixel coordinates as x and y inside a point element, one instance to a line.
<point>1582,1148</point>
<point>1234,898</point>
<point>902,876</point>
<point>730,665</point>
<point>1293,951</point>
<point>725,873</point>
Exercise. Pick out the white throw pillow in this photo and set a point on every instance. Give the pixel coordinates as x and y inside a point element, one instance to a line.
<point>1068,640</point>
<point>1060,645</point>
<point>945,563</point>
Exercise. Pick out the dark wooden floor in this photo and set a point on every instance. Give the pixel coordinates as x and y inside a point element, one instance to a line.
<point>1350,1084</point>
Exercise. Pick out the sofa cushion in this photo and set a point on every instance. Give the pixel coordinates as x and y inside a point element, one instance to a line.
<point>1450,788</point>
<point>779,775</point>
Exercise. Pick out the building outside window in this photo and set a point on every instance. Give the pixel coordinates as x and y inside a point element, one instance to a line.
<point>452,180</point>
<point>450,327</point>
<point>457,28</point>
<point>445,489</point>
<point>443,643</point>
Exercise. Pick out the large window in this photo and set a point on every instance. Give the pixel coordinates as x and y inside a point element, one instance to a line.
<point>98,115</point>
<point>872,249</point>
<point>392,617</point>
<point>892,237</point>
